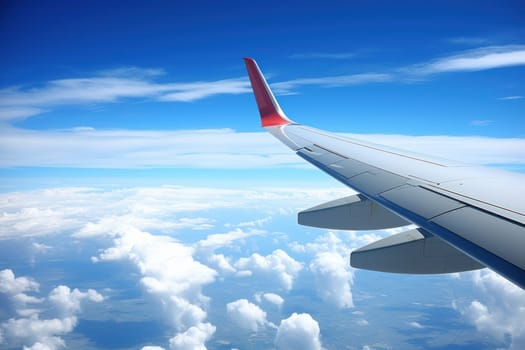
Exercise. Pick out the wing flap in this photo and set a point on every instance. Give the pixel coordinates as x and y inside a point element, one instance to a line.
<point>414,252</point>
<point>350,213</point>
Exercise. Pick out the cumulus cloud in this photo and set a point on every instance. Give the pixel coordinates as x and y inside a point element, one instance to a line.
<point>299,331</point>
<point>12,285</point>
<point>62,307</point>
<point>278,265</point>
<point>333,278</point>
<point>330,265</point>
<point>178,287</point>
<point>501,310</point>
<point>16,289</point>
<point>194,338</point>
<point>246,315</point>
<point>68,301</point>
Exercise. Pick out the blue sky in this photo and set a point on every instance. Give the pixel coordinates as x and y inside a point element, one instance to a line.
<point>130,141</point>
<point>368,68</point>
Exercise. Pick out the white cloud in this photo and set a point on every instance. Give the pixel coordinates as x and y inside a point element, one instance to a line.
<point>299,331</point>
<point>93,212</point>
<point>362,322</point>
<point>219,149</point>
<point>31,331</point>
<point>193,338</point>
<point>333,278</point>
<point>415,325</point>
<point>287,87</point>
<point>484,58</point>
<point>335,56</point>
<point>274,299</point>
<point>36,330</point>
<point>481,122</point>
<point>220,262</point>
<point>68,301</point>
<point>515,97</point>
<point>89,148</point>
<point>199,90</point>
<point>111,86</point>
<point>278,265</point>
<point>179,287</point>
<point>12,285</point>
<point>462,40</point>
<point>246,315</point>
<point>218,240</point>
<point>467,149</point>
<point>16,288</point>
<point>15,113</point>
<point>501,311</point>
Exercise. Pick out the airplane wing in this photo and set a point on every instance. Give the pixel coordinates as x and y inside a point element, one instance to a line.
<point>468,217</point>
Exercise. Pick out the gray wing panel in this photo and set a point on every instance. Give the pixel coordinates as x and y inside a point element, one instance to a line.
<point>376,181</point>
<point>495,234</point>
<point>420,201</point>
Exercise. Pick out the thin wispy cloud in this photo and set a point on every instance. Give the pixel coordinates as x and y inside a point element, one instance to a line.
<point>324,55</point>
<point>481,122</point>
<point>332,81</point>
<point>121,84</point>
<point>515,97</point>
<point>464,40</point>
<point>484,58</point>
<point>214,149</point>
<point>109,87</point>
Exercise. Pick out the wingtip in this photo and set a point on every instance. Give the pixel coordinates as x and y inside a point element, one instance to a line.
<point>269,109</point>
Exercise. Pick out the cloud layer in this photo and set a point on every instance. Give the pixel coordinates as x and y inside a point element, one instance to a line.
<point>215,149</point>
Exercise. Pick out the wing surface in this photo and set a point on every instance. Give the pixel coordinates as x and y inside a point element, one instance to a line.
<point>478,212</point>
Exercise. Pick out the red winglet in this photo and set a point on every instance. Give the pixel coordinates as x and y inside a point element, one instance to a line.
<point>271,113</point>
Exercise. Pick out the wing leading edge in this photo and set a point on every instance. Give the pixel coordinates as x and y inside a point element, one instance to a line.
<point>468,217</point>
